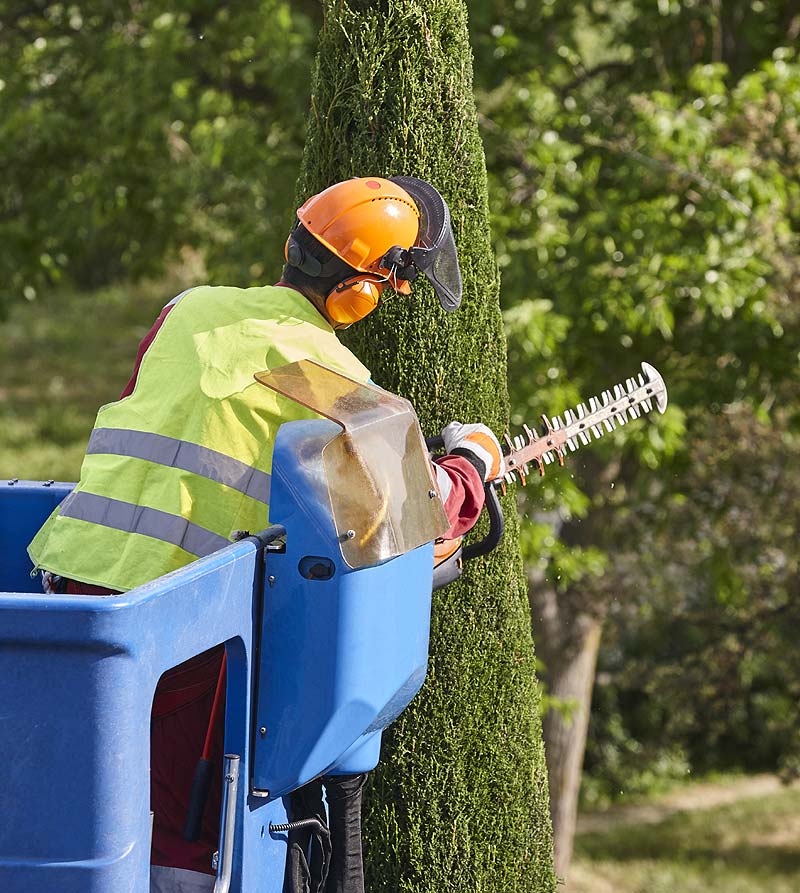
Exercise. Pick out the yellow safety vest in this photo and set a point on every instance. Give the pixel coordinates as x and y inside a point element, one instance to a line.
<point>174,468</point>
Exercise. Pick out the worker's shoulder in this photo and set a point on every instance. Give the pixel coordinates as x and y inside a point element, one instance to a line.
<point>210,292</point>
<point>225,299</point>
<point>277,305</point>
<point>255,295</point>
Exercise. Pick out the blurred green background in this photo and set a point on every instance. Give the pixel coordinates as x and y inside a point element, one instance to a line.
<point>643,161</point>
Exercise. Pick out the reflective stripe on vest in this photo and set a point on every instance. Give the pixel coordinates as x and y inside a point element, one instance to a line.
<point>140,519</point>
<point>176,453</point>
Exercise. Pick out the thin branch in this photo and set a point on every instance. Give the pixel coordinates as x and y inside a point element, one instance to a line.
<point>716,31</point>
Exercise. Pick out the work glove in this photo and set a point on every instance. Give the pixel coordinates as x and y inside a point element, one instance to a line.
<point>478,445</point>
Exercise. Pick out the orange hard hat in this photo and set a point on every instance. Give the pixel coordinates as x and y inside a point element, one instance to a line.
<point>383,231</point>
<point>360,220</point>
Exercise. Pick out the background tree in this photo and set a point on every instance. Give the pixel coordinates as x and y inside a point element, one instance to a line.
<point>699,666</point>
<point>128,133</point>
<point>634,223</point>
<point>460,800</point>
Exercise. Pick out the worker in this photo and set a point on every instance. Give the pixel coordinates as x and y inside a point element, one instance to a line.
<point>182,459</point>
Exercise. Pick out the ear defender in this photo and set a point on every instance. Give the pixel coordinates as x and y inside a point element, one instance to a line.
<point>298,257</point>
<point>354,296</point>
<point>291,253</point>
<point>354,299</point>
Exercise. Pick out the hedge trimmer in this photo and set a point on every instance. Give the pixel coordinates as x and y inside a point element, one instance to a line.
<point>597,416</point>
<point>559,435</point>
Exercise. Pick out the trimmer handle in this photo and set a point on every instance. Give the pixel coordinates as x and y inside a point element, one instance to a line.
<point>497,522</point>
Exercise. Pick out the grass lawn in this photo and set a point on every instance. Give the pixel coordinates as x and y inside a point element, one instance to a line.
<point>751,846</point>
<point>62,357</point>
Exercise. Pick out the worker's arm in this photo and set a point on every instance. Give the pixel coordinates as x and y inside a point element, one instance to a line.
<point>461,489</point>
<point>473,457</point>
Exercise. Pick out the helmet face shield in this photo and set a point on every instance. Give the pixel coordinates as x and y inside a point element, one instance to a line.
<point>434,252</point>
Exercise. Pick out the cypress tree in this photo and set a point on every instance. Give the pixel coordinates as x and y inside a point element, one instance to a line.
<point>459,802</point>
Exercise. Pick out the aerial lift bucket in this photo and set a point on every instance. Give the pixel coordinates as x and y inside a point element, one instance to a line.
<point>325,618</point>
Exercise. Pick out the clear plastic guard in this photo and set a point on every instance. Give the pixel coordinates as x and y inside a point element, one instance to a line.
<point>377,470</point>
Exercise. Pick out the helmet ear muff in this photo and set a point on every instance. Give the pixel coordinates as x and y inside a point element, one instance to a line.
<point>354,299</point>
<point>297,256</point>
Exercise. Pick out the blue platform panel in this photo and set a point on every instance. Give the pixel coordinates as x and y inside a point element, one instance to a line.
<point>24,507</point>
<point>77,678</point>
<point>344,650</point>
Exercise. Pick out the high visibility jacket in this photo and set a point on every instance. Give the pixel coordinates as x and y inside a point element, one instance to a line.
<point>175,467</point>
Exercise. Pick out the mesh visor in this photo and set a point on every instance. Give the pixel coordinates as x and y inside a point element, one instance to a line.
<point>435,253</point>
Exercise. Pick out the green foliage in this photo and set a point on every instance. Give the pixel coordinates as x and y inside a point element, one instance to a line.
<point>460,800</point>
<point>647,208</point>
<point>668,38</point>
<point>626,759</point>
<point>128,132</point>
<point>705,654</point>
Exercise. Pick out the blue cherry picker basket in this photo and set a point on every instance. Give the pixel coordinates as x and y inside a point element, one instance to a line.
<point>325,618</point>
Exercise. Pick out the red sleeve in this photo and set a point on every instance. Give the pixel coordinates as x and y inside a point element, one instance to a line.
<point>462,493</point>
<point>146,342</point>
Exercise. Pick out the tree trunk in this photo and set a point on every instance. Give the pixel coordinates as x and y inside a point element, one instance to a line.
<point>569,642</point>
<point>459,802</point>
